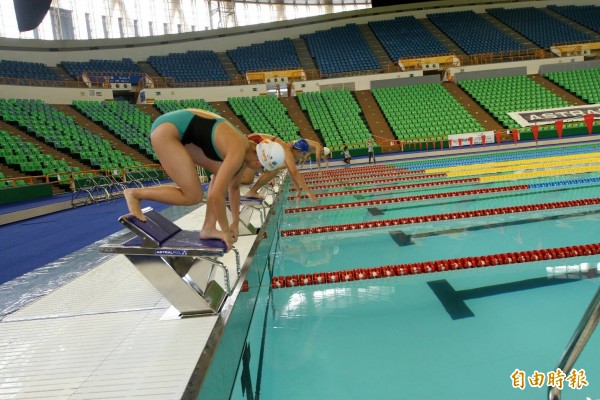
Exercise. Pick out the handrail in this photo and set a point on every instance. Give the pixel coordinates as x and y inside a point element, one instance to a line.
<point>584,330</point>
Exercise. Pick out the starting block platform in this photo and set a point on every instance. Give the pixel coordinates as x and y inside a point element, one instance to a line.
<point>179,264</point>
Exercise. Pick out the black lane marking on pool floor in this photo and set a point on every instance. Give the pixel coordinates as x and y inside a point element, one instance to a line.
<point>454,300</point>
<point>403,239</point>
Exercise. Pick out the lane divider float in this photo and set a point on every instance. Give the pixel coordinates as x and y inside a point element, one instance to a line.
<point>439,217</point>
<point>397,199</point>
<point>426,267</point>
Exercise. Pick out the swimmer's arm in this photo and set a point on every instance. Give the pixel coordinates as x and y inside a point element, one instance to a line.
<point>297,179</point>
<point>318,154</point>
<point>230,166</point>
<point>234,202</point>
<point>262,180</point>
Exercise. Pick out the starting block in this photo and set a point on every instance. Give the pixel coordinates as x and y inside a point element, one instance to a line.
<point>178,263</point>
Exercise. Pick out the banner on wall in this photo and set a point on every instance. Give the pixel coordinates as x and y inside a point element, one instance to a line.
<point>469,139</point>
<point>551,115</point>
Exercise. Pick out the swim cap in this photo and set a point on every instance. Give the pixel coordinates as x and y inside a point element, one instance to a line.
<point>270,154</point>
<point>301,145</point>
<point>326,151</point>
<point>255,137</point>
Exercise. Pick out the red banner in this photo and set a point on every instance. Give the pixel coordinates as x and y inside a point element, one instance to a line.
<point>589,121</point>
<point>515,135</point>
<point>536,132</point>
<point>559,127</point>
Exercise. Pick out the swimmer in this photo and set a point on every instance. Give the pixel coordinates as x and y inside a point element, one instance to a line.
<point>320,152</point>
<point>294,151</point>
<point>184,139</point>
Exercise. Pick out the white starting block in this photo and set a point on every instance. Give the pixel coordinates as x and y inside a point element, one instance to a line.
<point>178,263</point>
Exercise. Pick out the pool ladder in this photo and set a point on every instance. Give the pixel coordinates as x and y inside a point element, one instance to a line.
<point>584,330</point>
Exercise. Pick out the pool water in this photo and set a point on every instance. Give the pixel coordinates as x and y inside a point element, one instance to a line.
<point>456,334</point>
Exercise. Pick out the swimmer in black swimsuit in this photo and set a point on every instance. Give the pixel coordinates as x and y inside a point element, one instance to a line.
<point>185,138</point>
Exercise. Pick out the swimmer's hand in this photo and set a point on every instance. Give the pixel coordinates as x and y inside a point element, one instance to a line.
<point>234,231</point>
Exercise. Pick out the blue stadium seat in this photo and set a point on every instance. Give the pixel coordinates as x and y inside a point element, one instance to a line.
<point>474,34</point>
<point>539,27</point>
<point>272,55</point>
<point>341,49</point>
<point>406,37</point>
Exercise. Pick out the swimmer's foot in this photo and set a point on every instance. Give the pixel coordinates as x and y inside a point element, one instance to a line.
<point>134,205</point>
<point>254,195</point>
<point>217,234</point>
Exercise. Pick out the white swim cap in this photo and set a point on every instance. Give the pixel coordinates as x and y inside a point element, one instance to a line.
<point>326,151</point>
<point>270,154</point>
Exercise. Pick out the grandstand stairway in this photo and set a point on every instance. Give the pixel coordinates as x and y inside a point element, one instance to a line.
<point>509,32</point>
<point>374,117</point>
<point>148,69</point>
<point>376,47</point>
<point>96,129</point>
<point>225,111</point>
<point>573,24</point>
<point>303,54</point>
<point>557,90</point>
<point>228,65</point>
<point>60,72</point>
<point>486,120</point>
<point>442,38</point>
<point>299,118</point>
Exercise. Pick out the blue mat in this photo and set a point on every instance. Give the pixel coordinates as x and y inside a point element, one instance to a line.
<point>32,243</point>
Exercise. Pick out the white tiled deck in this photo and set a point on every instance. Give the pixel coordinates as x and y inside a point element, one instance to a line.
<point>101,336</point>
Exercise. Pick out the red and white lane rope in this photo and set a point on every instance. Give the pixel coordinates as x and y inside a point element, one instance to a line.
<point>356,181</point>
<point>434,266</point>
<point>374,190</point>
<point>350,171</point>
<point>399,199</point>
<point>438,217</point>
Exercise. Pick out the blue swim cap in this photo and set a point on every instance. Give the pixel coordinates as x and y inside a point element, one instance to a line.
<point>301,145</point>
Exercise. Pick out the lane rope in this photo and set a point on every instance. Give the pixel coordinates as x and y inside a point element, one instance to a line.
<point>426,267</point>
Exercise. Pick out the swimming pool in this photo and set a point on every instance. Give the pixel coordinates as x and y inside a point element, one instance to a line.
<point>428,279</point>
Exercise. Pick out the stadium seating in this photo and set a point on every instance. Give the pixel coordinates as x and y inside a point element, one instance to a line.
<point>60,131</point>
<point>192,66</point>
<point>104,68</point>
<point>26,70</point>
<point>265,114</point>
<point>473,33</point>
<point>500,96</point>
<point>123,119</point>
<point>272,55</point>
<point>588,16</point>
<point>538,26</point>
<point>341,49</point>
<point>165,106</point>
<point>426,111</point>
<point>29,159</point>
<point>406,37</point>
<point>582,83</point>
<point>337,117</point>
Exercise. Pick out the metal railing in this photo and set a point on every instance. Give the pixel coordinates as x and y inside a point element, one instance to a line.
<point>584,330</point>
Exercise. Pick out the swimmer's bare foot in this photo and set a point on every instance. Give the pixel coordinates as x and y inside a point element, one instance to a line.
<point>217,234</point>
<point>134,205</point>
<point>254,195</point>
